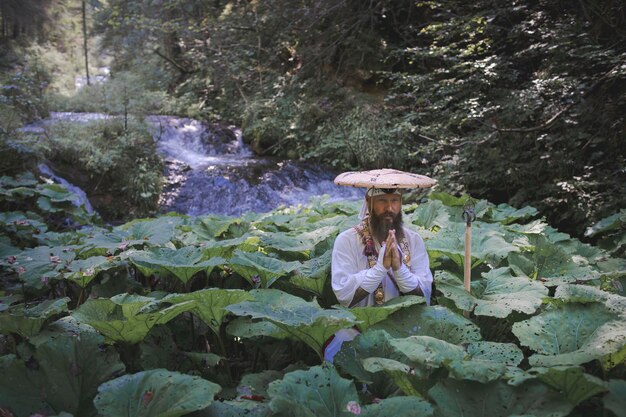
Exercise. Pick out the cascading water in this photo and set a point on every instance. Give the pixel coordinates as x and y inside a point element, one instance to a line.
<point>210,170</point>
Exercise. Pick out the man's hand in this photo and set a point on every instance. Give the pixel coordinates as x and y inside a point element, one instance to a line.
<point>392,254</point>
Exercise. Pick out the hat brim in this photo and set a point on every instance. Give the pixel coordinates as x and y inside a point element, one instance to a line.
<point>384,178</point>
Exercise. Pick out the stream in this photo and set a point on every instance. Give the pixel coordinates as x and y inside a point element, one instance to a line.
<point>209,170</point>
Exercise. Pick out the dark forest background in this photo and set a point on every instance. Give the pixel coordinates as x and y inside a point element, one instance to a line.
<point>522,102</point>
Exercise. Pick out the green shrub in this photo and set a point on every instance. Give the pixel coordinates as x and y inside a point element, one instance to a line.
<point>116,165</point>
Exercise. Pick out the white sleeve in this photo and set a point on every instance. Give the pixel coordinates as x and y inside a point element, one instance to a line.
<point>347,276</point>
<point>419,274</point>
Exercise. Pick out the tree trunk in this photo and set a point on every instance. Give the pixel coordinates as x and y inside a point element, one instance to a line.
<point>85,41</point>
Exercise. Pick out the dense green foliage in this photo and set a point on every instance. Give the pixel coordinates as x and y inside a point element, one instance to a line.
<point>518,102</point>
<point>164,316</point>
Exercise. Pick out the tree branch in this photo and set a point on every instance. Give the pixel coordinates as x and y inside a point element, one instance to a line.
<point>174,63</point>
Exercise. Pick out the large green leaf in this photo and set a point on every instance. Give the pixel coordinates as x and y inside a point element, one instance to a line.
<point>505,214</point>
<point>182,263</point>
<point>135,234</point>
<point>428,351</point>
<point>234,408</point>
<point>219,227</point>
<point>398,407</point>
<point>479,361</point>
<point>27,321</point>
<point>126,318</point>
<point>430,215</point>
<point>498,293</point>
<point>573,382</point>
<point>369,316</point>
<point>317,392</point>
<point>313,274</point>
<point>38,265</point>
<point>496,399</point>
<point>225,248</point>
<point>553,263</point>
<point>436,321</point>
<point>247,328</point>
<point>69,368</point>
<point>411,381</point>
<point>154,393</point>
<point>16,388</point>
<point>615,400</point>
<point>83,271</point>
<point>488,244</point>
<point>574,334</point>
<point>372,344</point>
<point>210,304</point>
<point>302,320</point>
<point>259,269</point>
<point>302,243</point>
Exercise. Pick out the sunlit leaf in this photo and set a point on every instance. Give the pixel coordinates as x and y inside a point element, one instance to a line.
<point>127,318</point>
<point>210,304</point>
<point>497,293</point>
<point>181,263</point>
<point>259,269</point>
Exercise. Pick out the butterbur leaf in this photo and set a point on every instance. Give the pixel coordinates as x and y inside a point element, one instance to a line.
<point>497,399</point>
<point>302,320</point>
<point>574,334</point>
<point>220,227</point>
<point>496,294</point>
<point>312,275</point>
<point>398,407</point>
<point>126,318</point>
<point>410,380</point>
<point>369,316</point>
<point>319,391</point>
<point>38,265</point>
<point>505,214</point>
<point>225,248</point>
<point>303,244</point>
<point>83,271</point>
<point>552,263</point>
<point>155,232</point>
<point>70,367</point>
<point>28,321</point>
<point>156,392</point>
<point>235,408</point>
<point>436,321</point>
<point>210,304</point>
<point>256,384</point>
<point>428,351</point>
<point>615,400</point>
<point>430,214</point>
<point>246,328</point>
<point>573,382</point>
<point>181,263</point>
<point>488,244</point>
<point>256,264</point>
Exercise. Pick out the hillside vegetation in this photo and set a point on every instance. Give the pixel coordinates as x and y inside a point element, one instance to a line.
<point>520,102</point>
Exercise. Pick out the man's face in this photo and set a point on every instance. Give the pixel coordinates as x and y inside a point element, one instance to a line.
<point>386,213</point>
<point>386,206</point>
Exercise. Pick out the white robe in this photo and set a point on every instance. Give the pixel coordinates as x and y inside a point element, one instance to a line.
<point>350,270</point>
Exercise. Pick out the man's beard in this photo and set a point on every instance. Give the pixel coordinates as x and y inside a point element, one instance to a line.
<point>381,227</point>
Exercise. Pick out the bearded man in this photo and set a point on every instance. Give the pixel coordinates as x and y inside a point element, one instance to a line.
<point>379,259</point>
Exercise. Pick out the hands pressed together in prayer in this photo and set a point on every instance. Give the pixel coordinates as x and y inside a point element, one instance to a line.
<point>391,258</point>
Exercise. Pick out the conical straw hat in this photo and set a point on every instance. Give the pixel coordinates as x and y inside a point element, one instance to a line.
<point>384,178</point>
